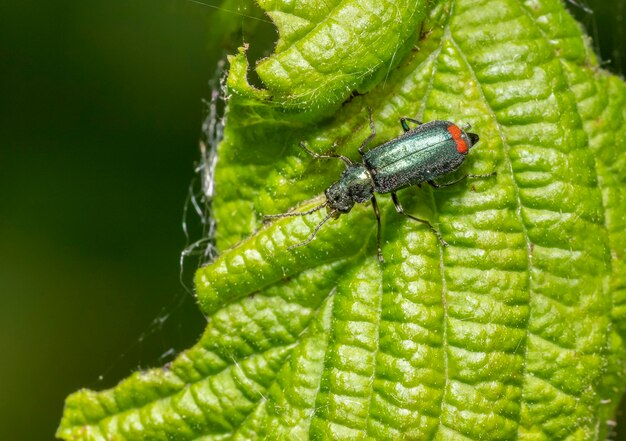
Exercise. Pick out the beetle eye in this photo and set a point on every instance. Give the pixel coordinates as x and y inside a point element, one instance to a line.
<point>474,138</point>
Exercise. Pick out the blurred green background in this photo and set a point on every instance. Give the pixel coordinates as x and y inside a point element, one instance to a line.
<point>100,116</point>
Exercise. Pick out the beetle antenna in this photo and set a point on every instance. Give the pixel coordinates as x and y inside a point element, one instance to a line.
<point>299,213</point>
<point>314,233</point>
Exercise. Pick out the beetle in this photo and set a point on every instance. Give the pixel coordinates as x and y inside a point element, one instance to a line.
<point>419,155</point>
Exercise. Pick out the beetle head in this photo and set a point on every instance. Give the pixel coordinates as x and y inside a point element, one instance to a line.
<point>473,137</point>
<point>355,185</point>
<point>338,198</point>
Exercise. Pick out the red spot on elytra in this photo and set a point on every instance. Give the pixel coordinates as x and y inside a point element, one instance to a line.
<point>461,145</point>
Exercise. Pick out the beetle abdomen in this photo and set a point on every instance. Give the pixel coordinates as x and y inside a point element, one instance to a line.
<point>422,154</point>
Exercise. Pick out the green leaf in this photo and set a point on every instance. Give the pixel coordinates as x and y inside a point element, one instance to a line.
<point>514,331</point>
<point>328,49</point>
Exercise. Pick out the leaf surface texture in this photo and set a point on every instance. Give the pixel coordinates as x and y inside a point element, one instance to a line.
<point>514,331</point>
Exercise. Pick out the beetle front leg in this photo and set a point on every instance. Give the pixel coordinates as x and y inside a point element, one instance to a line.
<point>448,184</point>
<point>371,135</point>
<point>378,233</point>
<point>400,210</point>
<point>345,159</point>
<point>405,126</point>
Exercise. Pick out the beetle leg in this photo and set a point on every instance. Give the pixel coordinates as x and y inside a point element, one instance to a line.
<point>448,184</point>
<point>400,210</point>
<point>371,135</point>
<point>378,234</point>
<point>433,184</point>
<point>345,159</point>
<point>405,126</point>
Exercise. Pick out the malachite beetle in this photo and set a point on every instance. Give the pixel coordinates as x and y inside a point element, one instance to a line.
<point>419,155</point>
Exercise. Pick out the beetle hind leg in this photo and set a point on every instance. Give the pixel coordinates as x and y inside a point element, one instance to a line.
<point>400,210</point>
<point>456,181</point>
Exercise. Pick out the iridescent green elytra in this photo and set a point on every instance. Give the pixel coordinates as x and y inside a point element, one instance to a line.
<point>419,155</point>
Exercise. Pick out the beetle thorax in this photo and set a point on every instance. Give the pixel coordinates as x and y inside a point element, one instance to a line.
<point>355,185</point>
